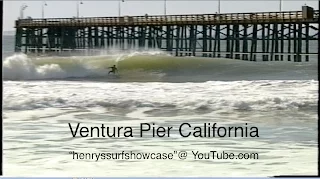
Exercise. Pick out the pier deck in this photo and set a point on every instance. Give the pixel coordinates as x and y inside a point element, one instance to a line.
<point>190,19</point>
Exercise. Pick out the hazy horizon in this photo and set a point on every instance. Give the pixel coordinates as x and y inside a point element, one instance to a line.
<point>68,9</point>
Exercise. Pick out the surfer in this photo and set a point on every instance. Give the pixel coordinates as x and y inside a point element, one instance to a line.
<point>113,69</point>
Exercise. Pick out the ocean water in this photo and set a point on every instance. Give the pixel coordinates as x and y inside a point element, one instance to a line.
<point>43,94</point>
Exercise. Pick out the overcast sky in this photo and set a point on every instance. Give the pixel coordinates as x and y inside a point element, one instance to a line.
<point>130,7</point>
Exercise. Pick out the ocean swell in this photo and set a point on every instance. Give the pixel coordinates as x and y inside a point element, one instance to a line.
<point>151,66</point>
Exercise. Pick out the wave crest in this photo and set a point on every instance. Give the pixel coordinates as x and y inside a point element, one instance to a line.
<point>152,66</point>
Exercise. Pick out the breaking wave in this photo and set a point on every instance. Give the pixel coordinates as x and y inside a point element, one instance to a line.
<point>151,66</point>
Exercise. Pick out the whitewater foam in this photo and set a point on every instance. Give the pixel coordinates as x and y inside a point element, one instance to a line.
<point>20,67</point>
<point>207,97</point>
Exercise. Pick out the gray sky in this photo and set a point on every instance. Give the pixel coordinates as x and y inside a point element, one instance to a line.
<point>152,7</point>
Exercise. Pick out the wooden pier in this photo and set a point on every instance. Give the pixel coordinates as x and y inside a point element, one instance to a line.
<point>267,36</point>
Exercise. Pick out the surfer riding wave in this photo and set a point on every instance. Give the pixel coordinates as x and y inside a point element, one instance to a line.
<point>113,69</point>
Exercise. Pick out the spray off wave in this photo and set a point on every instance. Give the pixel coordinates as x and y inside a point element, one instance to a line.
<point>151,66</point>
<point>22,67</point>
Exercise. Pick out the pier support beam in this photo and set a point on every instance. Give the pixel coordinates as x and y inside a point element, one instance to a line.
<point>236,36</point>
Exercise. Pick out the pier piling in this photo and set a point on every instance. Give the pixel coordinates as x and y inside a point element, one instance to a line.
<point>265,36</point>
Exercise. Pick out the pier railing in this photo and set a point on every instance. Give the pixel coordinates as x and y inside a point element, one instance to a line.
<point>192,19</point>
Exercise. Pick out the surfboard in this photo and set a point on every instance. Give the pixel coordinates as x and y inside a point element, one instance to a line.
<point>114,75</point>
